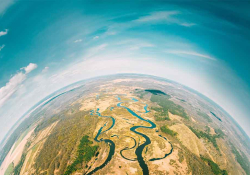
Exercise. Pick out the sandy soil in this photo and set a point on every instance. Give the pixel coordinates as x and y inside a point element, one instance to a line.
<point>170,164</point>
<point>16,155</point>
<point>34,149</point>
<point>174,117</point>
<point>188,138</point>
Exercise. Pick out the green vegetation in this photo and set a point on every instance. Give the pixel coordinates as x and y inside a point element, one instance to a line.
<point>28,122</point>
<point>244,140</point>
<point>10,169</point>
<point>207,136</point>
<point>19,166</point>
<point>166,130</point>
<point>84,154</point>
<point>61,145</point>
<point>45,123</point>
<point>195,164</point>
<point>161,114</point>
<point>155,91</point>
<point>140,93</point>
<point>207,129</point>
<point>21,138</point>
<point>214,167</point>
<point>167,106</point>
<point>181,156</point>
<point>205,116</point>
<point>242,159</point>
<point>219,133</point>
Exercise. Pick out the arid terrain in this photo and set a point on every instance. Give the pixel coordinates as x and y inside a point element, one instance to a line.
<point>127,124</point>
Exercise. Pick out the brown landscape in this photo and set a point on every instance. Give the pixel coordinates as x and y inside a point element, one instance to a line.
<point>110,127</point>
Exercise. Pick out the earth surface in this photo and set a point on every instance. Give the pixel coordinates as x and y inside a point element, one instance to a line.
<point>126,124</point>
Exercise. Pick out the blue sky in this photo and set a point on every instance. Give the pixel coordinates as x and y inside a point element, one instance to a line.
<point>46,45</point>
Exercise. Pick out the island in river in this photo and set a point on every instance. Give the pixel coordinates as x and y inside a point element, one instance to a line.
<point>126,124</point>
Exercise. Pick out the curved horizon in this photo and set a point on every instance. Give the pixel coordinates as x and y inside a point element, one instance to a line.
<point>57,92</point>
<point>50,48</point>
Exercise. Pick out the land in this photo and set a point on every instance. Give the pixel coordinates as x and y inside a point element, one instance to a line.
<point>188,134</point>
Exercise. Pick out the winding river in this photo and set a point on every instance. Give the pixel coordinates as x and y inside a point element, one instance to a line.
<point>139,149</point>
<point>107,141</point>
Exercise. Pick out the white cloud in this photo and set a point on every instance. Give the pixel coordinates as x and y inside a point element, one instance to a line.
<point>12,86</point>
<point>189,53</point>
<point>1,47</point>
<point>95,50</point>
<point>96,37</point>
<point>109,32</point>
<point>141,45</point>
<point>135,44</point>
<point>2,33</point>
<point>186,24</point>
<point>164,16</point>
<point>78,41</point>
<point>45,69</point>
<point>157,16</point>
<point>29,68</point>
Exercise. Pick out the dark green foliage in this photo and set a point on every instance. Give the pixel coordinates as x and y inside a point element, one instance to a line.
<point>166,130</point>
<point>84,154</point>
<point>209,137</point>
<point>19,166</point>
<point>161,114</point>
<point>205,116</point>
<point>196,165</point>
<point>214,167</point>
<point>140,93</point>
<point>61,143</point>
<point>155,91</point>
<point>242,159</point>
<point>208,129</point>
<point>167,105</point>
<point>220,133</point>
<point>181,156</point>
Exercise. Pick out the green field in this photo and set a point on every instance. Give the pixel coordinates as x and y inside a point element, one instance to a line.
<point>166,106</point>
<point>10,169</point>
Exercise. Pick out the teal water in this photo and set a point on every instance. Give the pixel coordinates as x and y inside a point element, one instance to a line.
<point>139,149</point>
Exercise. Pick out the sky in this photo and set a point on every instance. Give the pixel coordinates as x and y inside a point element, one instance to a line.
<point>46,45</point>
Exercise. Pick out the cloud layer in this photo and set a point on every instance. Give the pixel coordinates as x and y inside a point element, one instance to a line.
<point>14,83</point>
<point>1,47</point>
<point>5,32</point>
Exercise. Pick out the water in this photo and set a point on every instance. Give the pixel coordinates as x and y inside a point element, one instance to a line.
<point>139,149</point>
<point>107,141</point>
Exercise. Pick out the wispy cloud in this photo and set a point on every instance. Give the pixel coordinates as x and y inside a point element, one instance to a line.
<point>186,24</point>
<point>95,50</point>
<point>165,16</point>
<point>157,16</point>
<point>78,41</point>
<point>2,33</point>
<point>5,4</point>
<point>45,69</point>
<point>11,87</point>
<point>96,37</point>
<point>1,47</point>
<point>189,53</point>
<point>135,44</point>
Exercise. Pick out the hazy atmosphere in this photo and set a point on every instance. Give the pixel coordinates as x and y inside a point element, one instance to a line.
<point>47,45</point>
